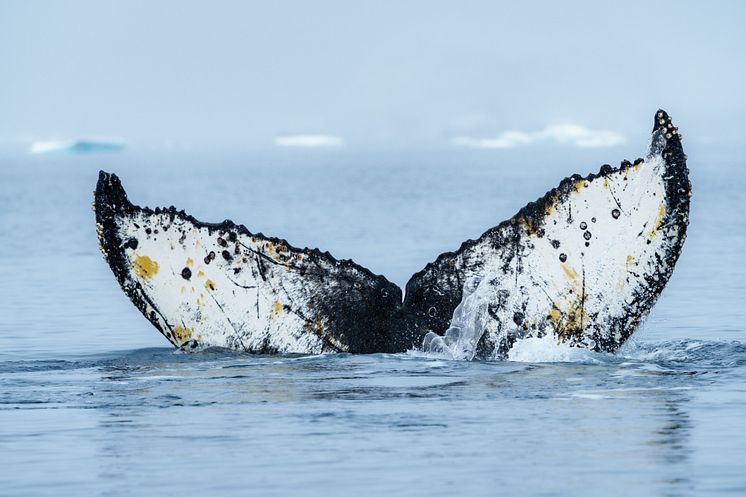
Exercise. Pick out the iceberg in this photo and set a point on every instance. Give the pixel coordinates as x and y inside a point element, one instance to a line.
<point>80,146</point>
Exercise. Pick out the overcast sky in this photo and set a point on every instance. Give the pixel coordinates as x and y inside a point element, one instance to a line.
<point>368,74</point>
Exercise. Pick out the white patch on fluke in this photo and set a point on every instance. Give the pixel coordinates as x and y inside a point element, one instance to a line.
<point>225,302</point>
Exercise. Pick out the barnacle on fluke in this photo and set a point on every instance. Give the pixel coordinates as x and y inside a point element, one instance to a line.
<point>584,263</point>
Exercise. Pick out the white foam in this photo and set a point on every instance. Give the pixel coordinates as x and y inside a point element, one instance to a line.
<point>458,346</point>
<point>548,349</point>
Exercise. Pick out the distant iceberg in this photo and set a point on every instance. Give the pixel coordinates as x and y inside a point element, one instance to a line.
<point>563,134</point>
<point>308,141</point>
<point>81,146</point>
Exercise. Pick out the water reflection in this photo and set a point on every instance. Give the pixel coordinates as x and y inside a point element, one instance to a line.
<point>226,419</point>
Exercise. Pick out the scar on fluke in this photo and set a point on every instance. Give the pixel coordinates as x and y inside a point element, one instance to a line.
<point>584,263</point>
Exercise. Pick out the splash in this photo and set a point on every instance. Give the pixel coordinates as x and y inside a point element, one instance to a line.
<point>470,322</point>
<point>461,339</point>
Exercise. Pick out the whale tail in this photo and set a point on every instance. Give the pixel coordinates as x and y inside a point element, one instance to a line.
<point>205,284</point>
<point>585,263</point>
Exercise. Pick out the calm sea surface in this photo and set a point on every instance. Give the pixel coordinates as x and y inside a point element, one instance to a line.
<point>93,401</point>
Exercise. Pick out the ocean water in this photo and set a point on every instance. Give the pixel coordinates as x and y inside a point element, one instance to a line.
<point>93,401</point>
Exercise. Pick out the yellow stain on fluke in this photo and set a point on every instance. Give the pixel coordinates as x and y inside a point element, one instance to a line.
<point>569,271</point>
<point>549,207</point>
<point>567,314</point>
<point>145,267</point>
<point>209,285</point>
<point>573,325</point>
<point>527,225</point>
<point>555,316</point>
<point>568,323</point>
<point>181,334</point>
<point>658,221</point>
<point>276,309</point>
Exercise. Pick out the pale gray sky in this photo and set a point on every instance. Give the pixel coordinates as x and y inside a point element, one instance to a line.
<point>374,74</point>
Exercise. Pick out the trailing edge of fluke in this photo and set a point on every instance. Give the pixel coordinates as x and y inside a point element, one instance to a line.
<point>584,263</point>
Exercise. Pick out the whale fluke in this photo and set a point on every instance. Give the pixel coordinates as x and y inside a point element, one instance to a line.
<point>585,263</point>
<point>221,285</point>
